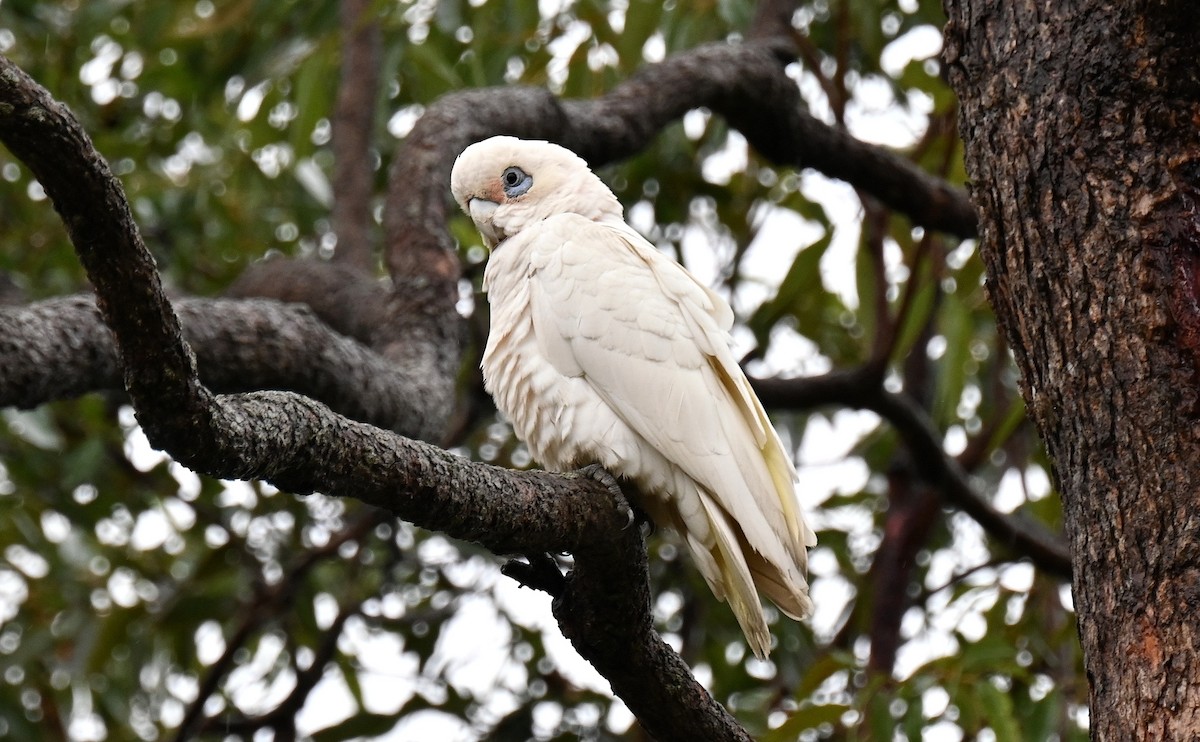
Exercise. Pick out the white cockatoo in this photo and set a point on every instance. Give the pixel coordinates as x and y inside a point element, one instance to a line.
<point>602,350</point>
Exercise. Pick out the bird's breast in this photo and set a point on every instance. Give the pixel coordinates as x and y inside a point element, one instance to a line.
<point>562,419</point>
<point>526,387</point>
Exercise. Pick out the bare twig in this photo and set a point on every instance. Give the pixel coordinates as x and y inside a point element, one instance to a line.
<point>911,289</point>
<point>353,122</point>
<point>282,719</point>
<point>268,603</point>
<point>875,226</point>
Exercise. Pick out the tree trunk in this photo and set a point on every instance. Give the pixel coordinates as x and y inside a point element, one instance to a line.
<point>1081,122</point>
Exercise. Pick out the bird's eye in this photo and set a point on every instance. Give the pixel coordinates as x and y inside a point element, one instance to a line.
<point>515,181</point>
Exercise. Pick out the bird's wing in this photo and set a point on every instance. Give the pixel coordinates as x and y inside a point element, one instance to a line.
<point>653,343</point>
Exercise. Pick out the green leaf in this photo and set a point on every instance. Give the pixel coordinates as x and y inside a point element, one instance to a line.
<point>359,726</point>
<point>808,717</point>
<point>799,294</point>
<point>956,326</point>
<point>314,98</point>
<point>818,672</point>
<point>998,712</point>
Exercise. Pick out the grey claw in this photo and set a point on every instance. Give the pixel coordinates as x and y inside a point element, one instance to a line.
<point>605,477</point>
<point>630,517</point>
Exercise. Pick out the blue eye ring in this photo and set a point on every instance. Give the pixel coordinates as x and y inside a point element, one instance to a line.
<point>515,181</point>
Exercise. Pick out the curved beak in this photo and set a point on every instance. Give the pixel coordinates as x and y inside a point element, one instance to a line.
<point>481,211</point>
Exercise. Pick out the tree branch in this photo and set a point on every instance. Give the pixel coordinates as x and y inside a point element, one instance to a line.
<point>413,325</point>
<point>282,719</point>
<point>353,121</point>
<point>60,348</point>
<point>862,389</point>
<point>912,512</point>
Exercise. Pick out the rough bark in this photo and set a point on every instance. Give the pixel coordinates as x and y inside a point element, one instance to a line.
<point>239,345</point>
<point>1081,122</point>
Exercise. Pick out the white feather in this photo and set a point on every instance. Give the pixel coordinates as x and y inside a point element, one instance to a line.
<point>604,350</point>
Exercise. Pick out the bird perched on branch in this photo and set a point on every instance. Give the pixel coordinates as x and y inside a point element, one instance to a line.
<point>603,350</point>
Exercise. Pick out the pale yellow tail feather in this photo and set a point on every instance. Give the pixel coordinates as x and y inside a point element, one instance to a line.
<point>739,584</point>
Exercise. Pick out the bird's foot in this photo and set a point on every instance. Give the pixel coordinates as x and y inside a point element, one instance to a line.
<point>605,477</point>
<point>539,572</point>
<point>632,512</point>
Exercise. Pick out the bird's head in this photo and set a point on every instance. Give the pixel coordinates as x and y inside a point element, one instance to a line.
<point>506,184</point>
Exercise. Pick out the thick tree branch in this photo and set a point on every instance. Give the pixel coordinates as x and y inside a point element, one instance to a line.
<point>60,348</point>
<point>861,389</point>
<point>350,300</point>
<point>681,710</point>
<point>301,446</point>
<point>416,329</point>
<point>160,368</point>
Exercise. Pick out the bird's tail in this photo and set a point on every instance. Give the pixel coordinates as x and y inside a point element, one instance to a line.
<point>737,574</point>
